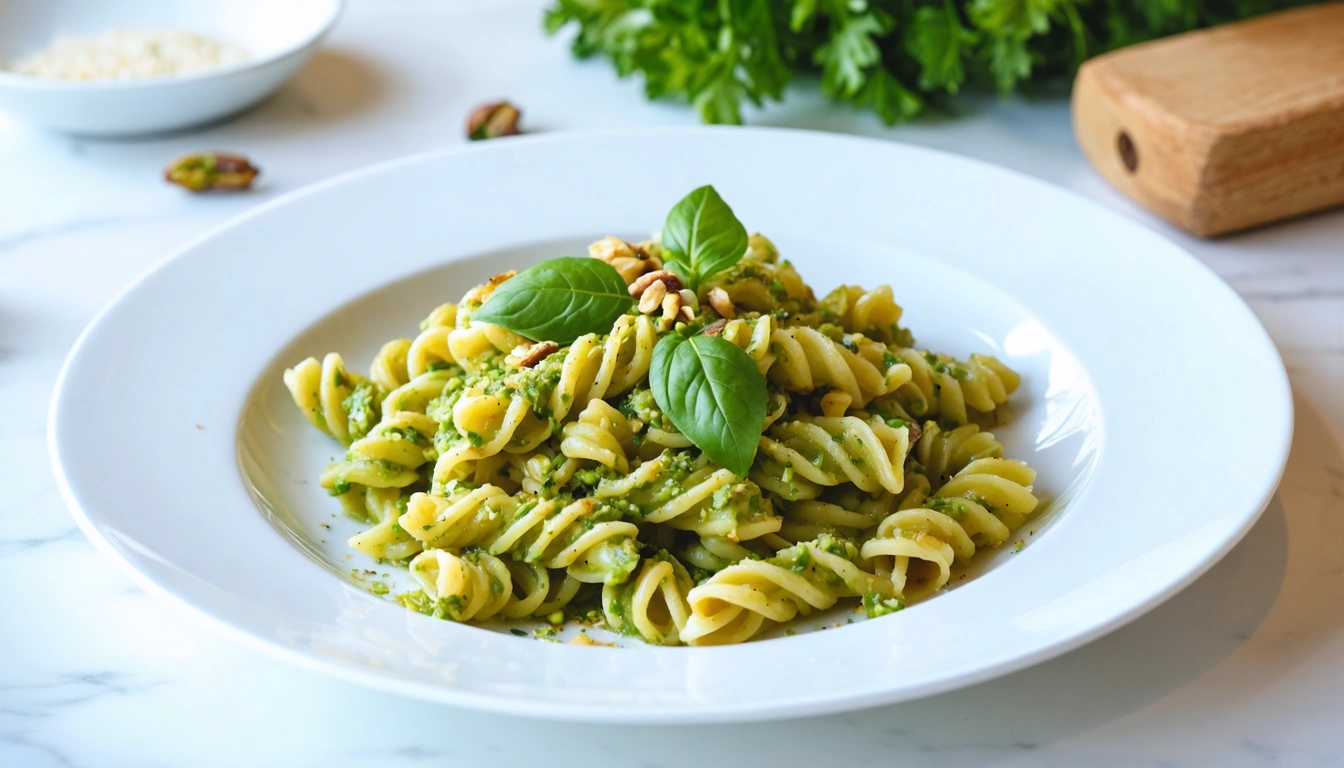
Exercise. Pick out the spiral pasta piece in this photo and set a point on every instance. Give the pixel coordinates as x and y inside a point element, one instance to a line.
<point>431,348</point>
<point>387,457</point>
<point>870,311</point>
<point>944,453</point>
<point>714,553</point>
<point>805,359</point>
<point>536,591</point>
<point>1001,485</point>
<point>941,386</point>
<point>828,451</point>
<point>806,520</point>
<point>400,439</point>
<point>474,345</point>
<point>740,601</point>
<point>674,489</point>
<point>590,541</point>
<point>340,403</point>
<point>386,539</point>
<point>487,422</point>
<point>416,394</point>
<point>601,434</point>
<point>389,369</point>
<point>981,506</point>
<point>594,368</point>
<point>653,603</point>
<point>443,316</point>
<point>463,586</point>
<point>753,337</point>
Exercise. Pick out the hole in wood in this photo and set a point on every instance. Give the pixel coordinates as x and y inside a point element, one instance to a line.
<point>1129,154</point>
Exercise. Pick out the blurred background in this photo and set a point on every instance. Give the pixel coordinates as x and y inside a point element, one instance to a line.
<point>1246,667</point>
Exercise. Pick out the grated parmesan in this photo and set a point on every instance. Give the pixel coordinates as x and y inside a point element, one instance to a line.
<point>129,54</point>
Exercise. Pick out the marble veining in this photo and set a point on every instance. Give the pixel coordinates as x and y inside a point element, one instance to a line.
<point>1244,668</point>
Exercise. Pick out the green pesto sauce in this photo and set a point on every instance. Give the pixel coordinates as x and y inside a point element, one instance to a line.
<point>798,559</point>
<point>950,507</point>
<point>407,433</point>
<point>639,404</point>
<point>536,384</point>
<point>874,605</point>
<point>592,476</point>
<point>363,408</point>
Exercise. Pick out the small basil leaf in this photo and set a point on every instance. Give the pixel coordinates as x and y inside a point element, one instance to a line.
<point>713,392</point>
<point>703,237</point>
<point>558,300</point>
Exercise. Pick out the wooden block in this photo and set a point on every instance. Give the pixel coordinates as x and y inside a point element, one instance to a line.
<point>1224,128</point>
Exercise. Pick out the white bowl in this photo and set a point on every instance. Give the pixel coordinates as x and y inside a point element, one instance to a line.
<point>280,36</point>
<point>1152,403</point>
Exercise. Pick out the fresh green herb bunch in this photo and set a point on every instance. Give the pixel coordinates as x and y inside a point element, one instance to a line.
<point>893,56</point>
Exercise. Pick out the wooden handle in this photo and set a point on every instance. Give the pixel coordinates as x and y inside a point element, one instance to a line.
<point>1224,128</point>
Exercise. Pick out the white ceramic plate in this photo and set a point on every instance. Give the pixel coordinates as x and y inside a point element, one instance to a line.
<point>1153,404</point>
<point>281,36</point>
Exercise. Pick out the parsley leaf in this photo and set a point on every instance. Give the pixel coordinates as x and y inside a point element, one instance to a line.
<point>892,101</point>
<point>849,55</point>
<point>721,55</point>
<point>939,42</point>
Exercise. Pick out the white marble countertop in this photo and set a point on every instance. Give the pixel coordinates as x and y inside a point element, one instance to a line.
<point>1246,667</point>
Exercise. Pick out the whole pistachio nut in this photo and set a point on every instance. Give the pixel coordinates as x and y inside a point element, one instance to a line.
<point>490,121</point>
<point>211,170</point>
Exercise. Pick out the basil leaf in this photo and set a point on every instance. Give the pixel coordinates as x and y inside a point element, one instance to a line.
<point>558,300</point>
<point>713,392</point>
<point>702,237</point>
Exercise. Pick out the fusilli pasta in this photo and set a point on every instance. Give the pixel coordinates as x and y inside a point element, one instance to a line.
<point>517,479</point>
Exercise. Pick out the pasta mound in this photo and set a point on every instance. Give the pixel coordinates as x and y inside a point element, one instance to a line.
<point>517,480</point>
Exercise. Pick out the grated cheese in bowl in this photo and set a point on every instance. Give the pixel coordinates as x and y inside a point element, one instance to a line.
<point>129,54</point>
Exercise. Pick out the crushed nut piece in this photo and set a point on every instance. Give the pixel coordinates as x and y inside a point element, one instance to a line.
<point>525,356</point>
<point>652,298</point>
<point>671,283</point>
<point>482,292</point>
<point>676,306</point>
<point>671,306</point>
<point>689,304</point>
<point>715,328</point>
<point>493,120</point>
<point>661,291</point>
<point>719,300</point>
<point>610,248</point>
<point>628,260</point>
<point>915,433</point>
<point>211,170</point>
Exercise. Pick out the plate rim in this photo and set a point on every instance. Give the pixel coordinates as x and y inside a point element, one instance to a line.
<point>608,713</point>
